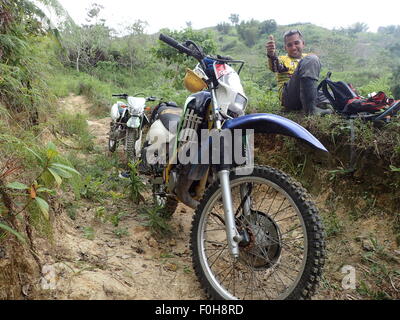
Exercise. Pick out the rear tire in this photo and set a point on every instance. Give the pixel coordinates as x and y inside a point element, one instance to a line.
<point>283,255</point>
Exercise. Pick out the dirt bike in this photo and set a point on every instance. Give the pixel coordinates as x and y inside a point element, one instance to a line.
<point>255,232</point>
<point>128,120</point>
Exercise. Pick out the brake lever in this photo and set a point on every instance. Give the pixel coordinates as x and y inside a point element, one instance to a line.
<point>199,54</point>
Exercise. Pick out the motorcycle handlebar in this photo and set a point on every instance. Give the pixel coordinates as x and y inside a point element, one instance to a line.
<point>181,48</point>
<point>125,96</point>
<point>122,95</point>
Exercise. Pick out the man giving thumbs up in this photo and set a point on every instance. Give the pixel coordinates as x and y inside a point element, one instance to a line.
<point>297,73</point>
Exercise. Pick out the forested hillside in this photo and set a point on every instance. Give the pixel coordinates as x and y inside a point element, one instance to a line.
<point>51,164</point>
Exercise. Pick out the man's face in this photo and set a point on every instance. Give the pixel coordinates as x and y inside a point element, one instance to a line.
<point>294,46</point>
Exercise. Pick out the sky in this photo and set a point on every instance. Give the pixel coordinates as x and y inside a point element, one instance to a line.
<point>174,14</point>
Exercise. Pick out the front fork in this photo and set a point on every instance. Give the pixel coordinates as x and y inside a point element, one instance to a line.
<point>232,234</point>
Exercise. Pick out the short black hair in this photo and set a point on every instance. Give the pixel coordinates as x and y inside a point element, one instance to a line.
<point>289,33</point>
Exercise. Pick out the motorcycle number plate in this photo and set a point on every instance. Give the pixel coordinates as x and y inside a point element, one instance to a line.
<point>133,122</point>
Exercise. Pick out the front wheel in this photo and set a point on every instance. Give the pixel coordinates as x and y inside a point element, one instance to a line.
<point>282,251</point>
<point>131,137</point>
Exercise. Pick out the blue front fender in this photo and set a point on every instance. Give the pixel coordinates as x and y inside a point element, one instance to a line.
<point>271,123</point>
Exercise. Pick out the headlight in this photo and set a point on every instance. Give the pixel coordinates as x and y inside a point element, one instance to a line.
<point>133,122</point>
<point>237,108</point>
<point>240,101</point>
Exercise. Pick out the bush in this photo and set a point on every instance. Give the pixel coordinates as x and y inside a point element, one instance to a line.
<point>76,127</point>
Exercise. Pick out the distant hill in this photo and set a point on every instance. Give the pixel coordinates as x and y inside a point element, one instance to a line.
<point>351,54</point>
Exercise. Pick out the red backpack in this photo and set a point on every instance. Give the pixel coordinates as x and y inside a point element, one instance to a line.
<point>373,104</point>
<point>345,100</point>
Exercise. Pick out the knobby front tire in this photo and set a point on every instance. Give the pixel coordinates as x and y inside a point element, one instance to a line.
<point>283,256</point>
<point>131,136</point>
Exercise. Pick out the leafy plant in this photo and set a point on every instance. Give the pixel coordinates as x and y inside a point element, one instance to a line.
<point>116,218</point>
<point>154,220</point>
<point>33,195</point>
<point>121,232</point>
<point>91,189</point>
<point>10,230</point>
<point>136,185</point>
<point>89,233</point>
<point>333,225</point>
<point>394,169</point>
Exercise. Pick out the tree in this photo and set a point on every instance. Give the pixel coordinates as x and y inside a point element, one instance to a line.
<point>249,31</point>
<point>93,12</point>
<point>389,30</point>
<point>87,45</point>
<point>22,25</point>
<point>136,31</point>
<point>179,61</point>
<point>224,27</point>
<point>357,27</point>
<point>268,26</point>
<point>234,18</point>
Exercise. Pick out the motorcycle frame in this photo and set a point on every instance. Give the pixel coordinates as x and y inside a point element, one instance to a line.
<point>233,236</point>
<point>260,123</point>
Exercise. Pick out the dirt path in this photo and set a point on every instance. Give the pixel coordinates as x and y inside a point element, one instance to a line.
<point>104,266</point>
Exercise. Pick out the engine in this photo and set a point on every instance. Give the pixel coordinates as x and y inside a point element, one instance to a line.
<point>195,119</point>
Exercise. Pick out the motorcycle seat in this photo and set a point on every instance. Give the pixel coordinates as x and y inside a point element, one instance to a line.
<point>170,117</point>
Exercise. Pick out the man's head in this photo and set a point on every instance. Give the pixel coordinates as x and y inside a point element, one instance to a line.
<point>294,43</point>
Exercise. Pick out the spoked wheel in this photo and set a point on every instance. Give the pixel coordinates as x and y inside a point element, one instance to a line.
<point>282,251</point>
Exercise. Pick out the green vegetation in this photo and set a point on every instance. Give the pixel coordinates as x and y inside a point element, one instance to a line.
<point>153,219</point>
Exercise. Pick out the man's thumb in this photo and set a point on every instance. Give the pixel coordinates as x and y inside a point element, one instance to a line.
<point>271,37</point>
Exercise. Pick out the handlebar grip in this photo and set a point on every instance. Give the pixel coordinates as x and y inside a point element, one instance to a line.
<point>170,41</point>
<point>175,44</point>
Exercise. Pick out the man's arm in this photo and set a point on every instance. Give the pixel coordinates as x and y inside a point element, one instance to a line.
<point>273,61</point>
<point>271,53</point>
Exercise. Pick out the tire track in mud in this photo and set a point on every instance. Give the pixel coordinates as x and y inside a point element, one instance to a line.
<point>136,266</point>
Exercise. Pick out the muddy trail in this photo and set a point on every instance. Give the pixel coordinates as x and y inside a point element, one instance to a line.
<point>91,260</point>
